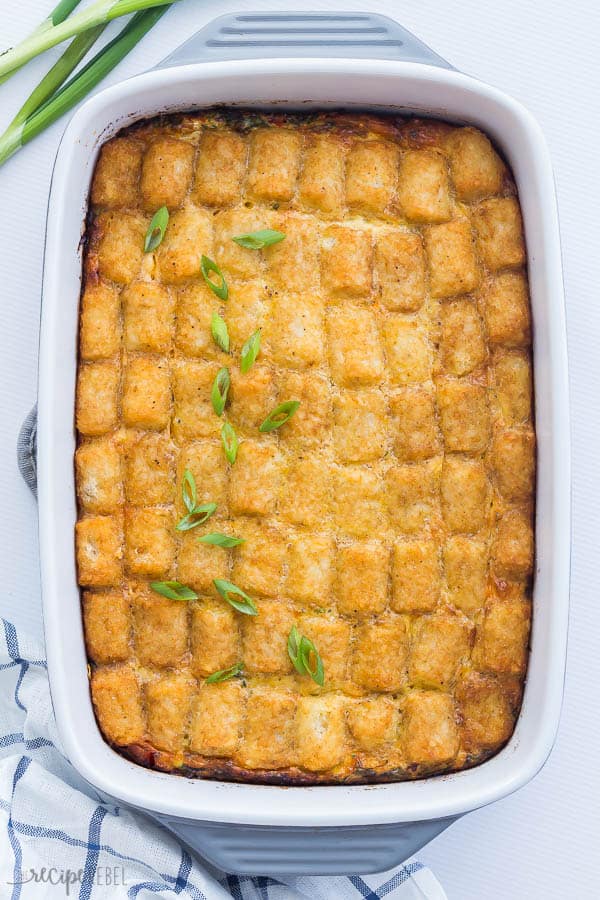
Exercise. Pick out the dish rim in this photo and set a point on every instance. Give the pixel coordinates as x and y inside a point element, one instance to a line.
<point>270,80</point>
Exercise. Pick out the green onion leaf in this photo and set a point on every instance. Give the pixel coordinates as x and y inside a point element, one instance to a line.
<point>60,13</point>
<point>208,267</point>
<point>280,415</point>
<point>218,329</point>
<point>188,491</point>
<point>230,442</point>
<point>230,592</point>
<point>225,674</point>
<point>250,351</point>
<point>221,540</point>
<point>305,656</point>
<point>198,516</point>
<point>174,590</point>
<point>256,240</point>
<point>220,389</point>
<point>156,229</point>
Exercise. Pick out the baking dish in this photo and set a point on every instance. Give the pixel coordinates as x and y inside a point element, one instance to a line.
<point>254,828</point>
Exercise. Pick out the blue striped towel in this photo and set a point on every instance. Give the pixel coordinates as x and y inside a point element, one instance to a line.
<point>61,838</point>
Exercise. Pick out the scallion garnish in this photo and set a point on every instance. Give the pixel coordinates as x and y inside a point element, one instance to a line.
<point>256,240</point>
<point>198,516</point>
<point>250,351</point>
<point>208,268</point>
<point>305,656</point>
<point>230,592</point>
<point>225,674</point>
<point>221,540</point>
<point>174,590</point>
<point>188,491</point>
<point>156,229</point>
<point>229,441</point>
<point>280,415</point>
<point>220,389</point>
<point>218,329</point>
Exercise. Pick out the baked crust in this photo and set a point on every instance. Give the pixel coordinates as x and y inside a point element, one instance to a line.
<point>390,519</point>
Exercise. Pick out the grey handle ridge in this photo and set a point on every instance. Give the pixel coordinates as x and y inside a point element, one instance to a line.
<point>267,850</point>
<point>27,450</point>
<point>352,35</point>
<point>253,849</point>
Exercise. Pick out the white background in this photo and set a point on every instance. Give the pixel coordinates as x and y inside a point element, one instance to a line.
<point>542,842</point>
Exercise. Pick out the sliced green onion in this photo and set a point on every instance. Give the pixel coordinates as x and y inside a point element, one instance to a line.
<point>174,590</point>
<point>280,415</point>
<point>220,389</point>
<point>256,240</point>
<point>74,90</point>
<point>305,656</point>
<point>49,36</point>
<point>230,592</point>
<point>225,674</point>
<point>198,516</point>
<point>221,540</point>
<point>293,644</point>
<point>250,351</point>
<point>218,329</point>
<point>230,442</point>
<point>156,229</point>
<point>208,267</point>
<point>188,491</point>
<point>309,652</point>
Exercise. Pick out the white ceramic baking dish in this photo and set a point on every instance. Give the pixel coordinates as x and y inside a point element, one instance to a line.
<point>254,828</point>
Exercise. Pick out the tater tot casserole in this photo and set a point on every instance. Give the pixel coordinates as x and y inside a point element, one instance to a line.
<point>306,450</point>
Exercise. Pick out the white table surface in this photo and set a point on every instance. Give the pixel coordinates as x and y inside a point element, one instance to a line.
<point>543,841</point>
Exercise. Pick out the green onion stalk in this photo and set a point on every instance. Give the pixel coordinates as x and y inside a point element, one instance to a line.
<point>49,35</point>
<point>58,15</point>
<point>58,74</point>
<point>49,101</point>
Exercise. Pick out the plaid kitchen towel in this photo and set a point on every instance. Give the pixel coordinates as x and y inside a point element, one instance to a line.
<point>59,837</point>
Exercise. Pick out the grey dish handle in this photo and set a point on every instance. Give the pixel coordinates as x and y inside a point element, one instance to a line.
<point>27,450</point>
<point>267,850</point>
<point>352,35</point>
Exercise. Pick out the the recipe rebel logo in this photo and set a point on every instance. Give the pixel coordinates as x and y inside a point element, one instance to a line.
<point>66,879</point>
